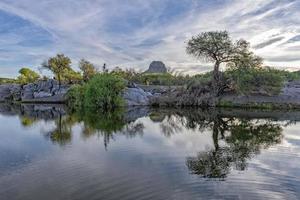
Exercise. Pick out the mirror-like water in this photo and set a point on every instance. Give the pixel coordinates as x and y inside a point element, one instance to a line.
<point>47,153</point>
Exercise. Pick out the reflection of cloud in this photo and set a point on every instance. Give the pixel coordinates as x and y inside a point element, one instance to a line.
<point>131,34</point>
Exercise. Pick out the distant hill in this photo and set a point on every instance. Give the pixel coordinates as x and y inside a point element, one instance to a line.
<point>6,80</point>
<point>157,67</point>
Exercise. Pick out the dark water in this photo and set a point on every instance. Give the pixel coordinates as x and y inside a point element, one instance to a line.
<point>46,153</point>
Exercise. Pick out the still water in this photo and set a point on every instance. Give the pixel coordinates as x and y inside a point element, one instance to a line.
<point>47,153</point>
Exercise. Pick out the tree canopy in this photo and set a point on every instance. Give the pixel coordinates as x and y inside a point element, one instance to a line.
<point>27,76</point>
<point>218,47</point>
<point>87,68</point>
<point>59,65</point>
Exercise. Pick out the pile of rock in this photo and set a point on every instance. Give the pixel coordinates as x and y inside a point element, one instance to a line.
<point>135,96</point>
<point>41,91</point>
<point>49,92</point>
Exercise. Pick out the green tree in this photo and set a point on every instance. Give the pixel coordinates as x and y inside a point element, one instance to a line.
<point>27,76</point>
<point>216,47</point>
<point>87,68</point>
<point>71,76</point>
<point>58,65</point>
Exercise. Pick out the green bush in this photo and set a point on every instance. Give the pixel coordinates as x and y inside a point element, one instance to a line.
<point>256,80</point>
<point>199,80</point>
<point>75,97</point>
<point>288,76</point>
<point>103,91</point>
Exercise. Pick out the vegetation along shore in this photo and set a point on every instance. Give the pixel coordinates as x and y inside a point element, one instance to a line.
<point>245,82</point>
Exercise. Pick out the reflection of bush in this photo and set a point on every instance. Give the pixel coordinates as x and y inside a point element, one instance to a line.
<point>107,124</point>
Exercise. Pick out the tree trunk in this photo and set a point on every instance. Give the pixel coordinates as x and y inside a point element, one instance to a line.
<point>59,81</point>
<point>216,78</point>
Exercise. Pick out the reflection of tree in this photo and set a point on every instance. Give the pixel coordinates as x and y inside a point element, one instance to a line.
<point>245,139</point>
<point>171,125</point>
<point>61,134</point>
<point>27,121</point>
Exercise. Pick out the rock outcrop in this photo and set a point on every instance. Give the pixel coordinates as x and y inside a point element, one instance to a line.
<point>50,92</point>
<point>289,97</point>
<point>42,91</point>
<point>136,97</point>
<point>157,67</point>
<point>10,92</point>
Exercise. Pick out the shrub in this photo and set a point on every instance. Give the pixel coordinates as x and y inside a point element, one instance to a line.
<point>200,80</point>
<point>75,97</point>
<point>103,91</point>
<point>256,80</point>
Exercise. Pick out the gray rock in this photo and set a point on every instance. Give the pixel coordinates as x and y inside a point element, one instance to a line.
<point>136,97</point>
<point>41,94</point>
<point>157,67</point>
<point>5,92</point>
<point>26,95</point>
<point>41,91</point>
<point>15,92</point>
<point>10,92</point>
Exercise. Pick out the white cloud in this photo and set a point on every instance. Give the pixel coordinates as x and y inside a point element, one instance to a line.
<point>132,33</point>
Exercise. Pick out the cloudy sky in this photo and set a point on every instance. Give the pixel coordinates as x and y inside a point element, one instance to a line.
<point>132,33</point>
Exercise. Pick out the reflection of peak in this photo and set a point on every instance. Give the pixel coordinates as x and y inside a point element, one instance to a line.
<point>157,116</point>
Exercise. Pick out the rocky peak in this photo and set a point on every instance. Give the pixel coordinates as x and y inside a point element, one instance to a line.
<point>157,67</point>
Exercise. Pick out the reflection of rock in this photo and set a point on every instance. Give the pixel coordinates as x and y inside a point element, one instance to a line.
<point>157,67</point>
<point>41,91</point>
<point>133,113</point>
<point>37,111</point>
<point>136,97</point>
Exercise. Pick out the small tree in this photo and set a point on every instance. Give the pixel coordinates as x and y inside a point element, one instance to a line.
<point>87,68</point>
<point>71,76</point>
<point>27,76</point>
<point>216,47</point>
<point>58,65</point>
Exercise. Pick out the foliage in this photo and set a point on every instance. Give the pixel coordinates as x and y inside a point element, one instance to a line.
<point>87,68</point>
<point>218,47</point>
<point>127,74</point>
<point>71,76</point>
<point>59,65</point>
<point>7,80</point>
<point>200,80</point>
<point>289,76</point>
<point>27,76</point>
<point>103,91</point>
<point>151,78</point>
<point>256,80</point>
<point>75,97</point>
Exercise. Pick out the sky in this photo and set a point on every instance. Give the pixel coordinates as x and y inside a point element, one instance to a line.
<point>132,33</point>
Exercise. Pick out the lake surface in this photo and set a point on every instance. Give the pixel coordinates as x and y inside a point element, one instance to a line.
<point>142,153</point>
